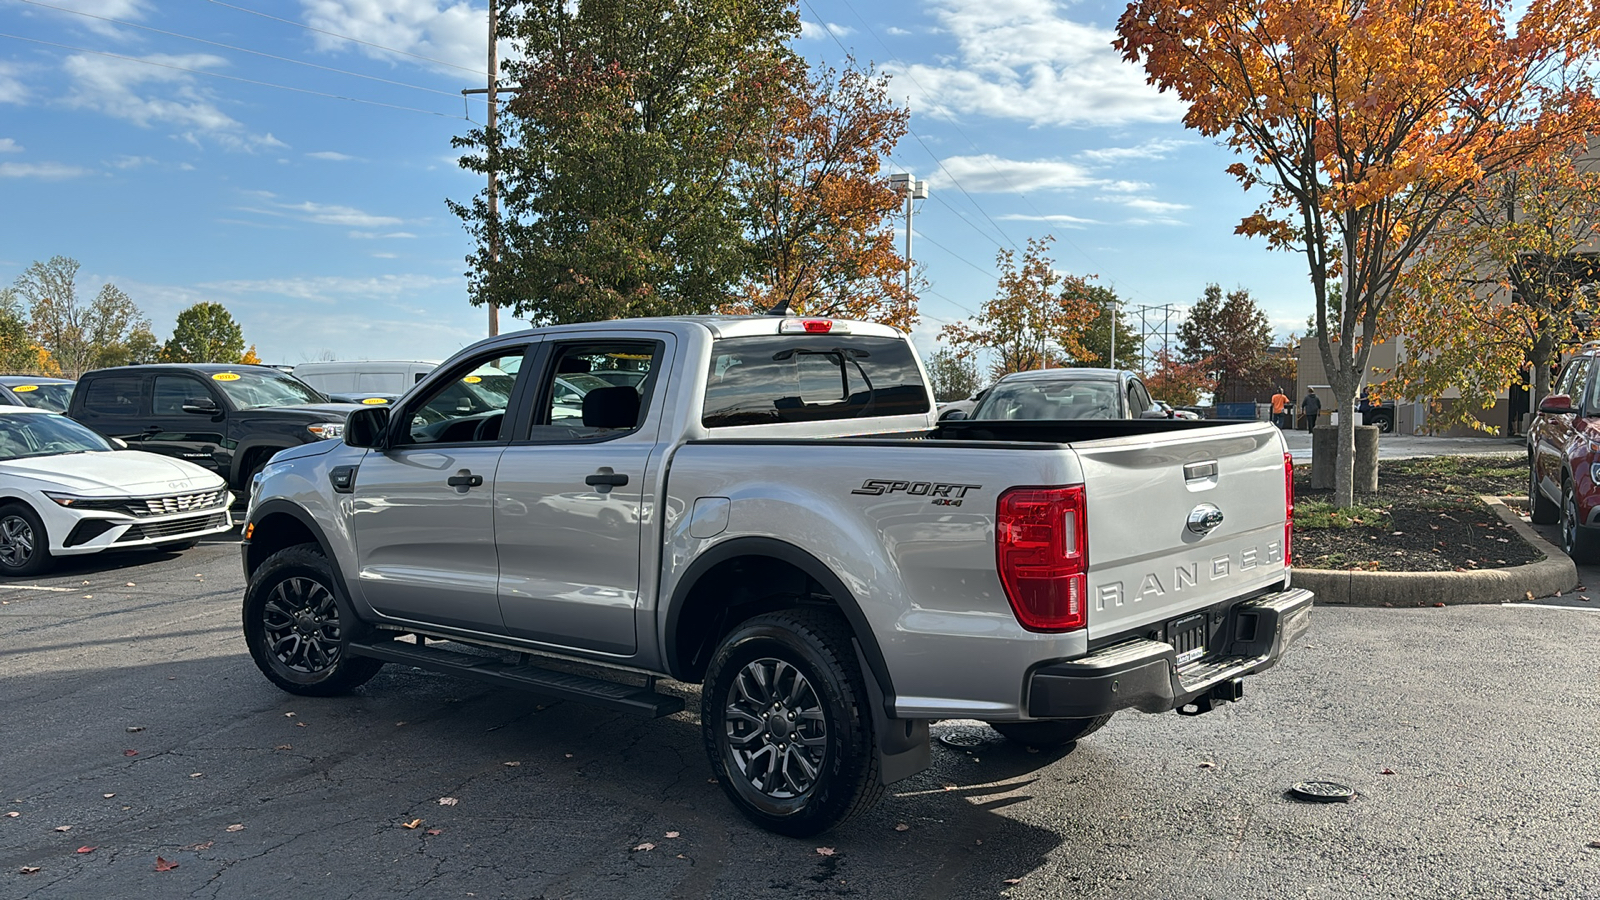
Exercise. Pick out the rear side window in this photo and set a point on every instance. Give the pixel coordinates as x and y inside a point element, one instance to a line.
<point>115,396</point>
<point>810,378</point>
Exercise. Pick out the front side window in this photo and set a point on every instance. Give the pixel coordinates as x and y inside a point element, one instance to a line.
<point>468,406</point>
<point>810,378</point>
<point>576,403</point>
<point>171,392</point>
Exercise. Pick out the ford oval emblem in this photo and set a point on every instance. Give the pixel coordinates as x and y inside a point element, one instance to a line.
<point>1204,519</point>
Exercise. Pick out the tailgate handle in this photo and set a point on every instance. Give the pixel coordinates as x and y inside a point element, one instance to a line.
<point>1202,471</point>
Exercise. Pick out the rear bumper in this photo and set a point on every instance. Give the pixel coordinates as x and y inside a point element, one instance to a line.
<point>1143,674</point>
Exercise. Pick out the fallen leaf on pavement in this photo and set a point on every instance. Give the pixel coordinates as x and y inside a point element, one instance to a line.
<point>30,870</point>
<point>205,845</point>
<point>288,715</point>
<point>302,724</point>
<point>1013,881</point>
<point>63,827</point>
<point>196,774</point>
<point>163,865</point>
<point>681,856</point>
<point>1530,595</point>
<point>513,763</point>
<point>569,756</point>
<point>130,753</point>
<point>1595,844</point>
<point>448,801</point>
<point>87,849</point>
<point>13,814</point>
<point>284,747</point>
<point>672,834</point>
<point>646,846</point>
<point>1207,764</point>
<point>824,851</point>
<point>235,827</point>
<point>434,831</point>
<point>1387,771</point>
<point>135,729</point>
<point>1438,604</point>
<point>902,827</point>
<point>108,796</point>
<point>411,824</point>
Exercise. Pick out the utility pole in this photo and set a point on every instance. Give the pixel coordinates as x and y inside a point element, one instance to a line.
<point>491,94</point>
<point>911,188</point>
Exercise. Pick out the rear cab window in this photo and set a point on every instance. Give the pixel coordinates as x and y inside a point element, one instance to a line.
<point>764,379</point>
<point>115,395</point>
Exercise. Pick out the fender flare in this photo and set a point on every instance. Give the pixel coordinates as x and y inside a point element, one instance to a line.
<point>782,551</point>
<point>298,513</point>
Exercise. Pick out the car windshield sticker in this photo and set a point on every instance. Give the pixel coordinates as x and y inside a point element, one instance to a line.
<point>24,388</point>
<point>374,401</point>
<point>472,379</point>
<point>225,376</point>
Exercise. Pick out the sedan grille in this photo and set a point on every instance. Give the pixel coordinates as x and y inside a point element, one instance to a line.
<point>169,529</point>
<point>176,503</point>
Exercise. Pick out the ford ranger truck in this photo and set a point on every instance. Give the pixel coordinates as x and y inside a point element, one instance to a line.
<point>771,512</point>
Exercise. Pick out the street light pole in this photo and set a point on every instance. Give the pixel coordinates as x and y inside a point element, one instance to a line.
<point>911,188</point>
<point>494,181</point>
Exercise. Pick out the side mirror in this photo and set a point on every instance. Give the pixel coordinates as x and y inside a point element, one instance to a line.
<point>954,415</point>
<point>367,427</point>
<point>204,406</point>
<point>1557,403</point>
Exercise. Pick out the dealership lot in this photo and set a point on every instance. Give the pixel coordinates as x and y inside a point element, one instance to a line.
<point>133,682</point>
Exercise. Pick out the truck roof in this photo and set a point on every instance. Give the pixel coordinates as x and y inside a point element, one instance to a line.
<point>725,326</point>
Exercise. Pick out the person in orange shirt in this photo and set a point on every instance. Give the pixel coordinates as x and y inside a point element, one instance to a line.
<point>1279,401</point>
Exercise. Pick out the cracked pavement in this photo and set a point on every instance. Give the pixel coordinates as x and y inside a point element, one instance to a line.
<point>1484,715</point>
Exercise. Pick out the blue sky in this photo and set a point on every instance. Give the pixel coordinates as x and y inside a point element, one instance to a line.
<point>185,171</point>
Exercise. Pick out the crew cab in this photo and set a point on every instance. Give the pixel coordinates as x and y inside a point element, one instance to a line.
<point>1563,462</point>
<point>774,513</point>
<point>229,419</point>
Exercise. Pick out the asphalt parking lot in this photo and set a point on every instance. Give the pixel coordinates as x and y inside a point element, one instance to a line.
<point>134,728</point>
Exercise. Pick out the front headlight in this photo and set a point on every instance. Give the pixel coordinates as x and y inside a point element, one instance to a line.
<point>327,430</point>
<point>116,504</point>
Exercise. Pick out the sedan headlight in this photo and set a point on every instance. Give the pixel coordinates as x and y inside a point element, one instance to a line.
<point>327,430</point>
<point>114,504</point>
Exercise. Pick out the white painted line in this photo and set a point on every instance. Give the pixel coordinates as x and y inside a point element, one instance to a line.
<point>1551,606</point>
<point>34,587</point>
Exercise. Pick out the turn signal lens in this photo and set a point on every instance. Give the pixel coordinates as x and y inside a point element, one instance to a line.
<point>1041,545</point>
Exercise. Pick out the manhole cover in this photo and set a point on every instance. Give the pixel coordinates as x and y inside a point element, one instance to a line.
<point>967,737</point>
<point>1321,792</point>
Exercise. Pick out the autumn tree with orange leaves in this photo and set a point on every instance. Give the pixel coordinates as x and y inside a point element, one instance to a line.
<point>1519,262</point>
<point>1368,121</point>
<point>1037,317</point>
<point>820,213</point>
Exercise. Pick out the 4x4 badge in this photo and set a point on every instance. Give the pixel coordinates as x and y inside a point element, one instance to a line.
<point>1204,519</point>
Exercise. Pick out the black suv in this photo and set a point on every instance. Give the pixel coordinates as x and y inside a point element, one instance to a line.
<point>229,419</point>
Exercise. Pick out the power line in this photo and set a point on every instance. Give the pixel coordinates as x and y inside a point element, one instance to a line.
<point>346,37</point>
<point>200,40</point>
<point>282,87</point>
<point>969,262</point>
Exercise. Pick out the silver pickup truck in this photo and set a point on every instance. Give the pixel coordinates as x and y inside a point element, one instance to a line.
<point>766,507</point>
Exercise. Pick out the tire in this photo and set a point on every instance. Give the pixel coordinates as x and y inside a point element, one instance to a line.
<point>297,626</point>
<point>1578,542</point>
<point>24,543</point>
<point>1541,509</point>
<point>791,669</point>
<point>1049,734</point>
<point>1385,424</point>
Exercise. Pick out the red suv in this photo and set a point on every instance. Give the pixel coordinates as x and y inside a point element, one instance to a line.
<point>1564,456</point>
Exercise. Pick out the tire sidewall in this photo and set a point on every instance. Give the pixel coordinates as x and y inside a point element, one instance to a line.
<point>835,787</point>
<point>299,562</point>
<point>40,560</point>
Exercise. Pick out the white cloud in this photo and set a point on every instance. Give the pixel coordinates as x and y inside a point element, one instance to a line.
<point>127,10</point>
<point>993,175</point>
<point>324,214</point>
<point>373,235</point>
<point>11,89</point>
<point>820,30</point>
<point>331,156</point>
<point>9,145</point>
<point>132,162</point>
<point>897,32</point>
<point>1022,59</point>
<point>1144,204</point>
<point>455,33</point>
<point>334,288</point>
<point>112,86</point>
<point>48,171</point>
<point>1055,219</point>
<point>1154,149</point>
<point>385,256</point>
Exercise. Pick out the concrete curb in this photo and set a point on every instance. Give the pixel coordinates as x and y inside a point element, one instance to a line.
<point>1541,579</point>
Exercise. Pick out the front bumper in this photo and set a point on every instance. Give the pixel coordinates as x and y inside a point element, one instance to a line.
<point>94,534</point>
<point>1143,674</point>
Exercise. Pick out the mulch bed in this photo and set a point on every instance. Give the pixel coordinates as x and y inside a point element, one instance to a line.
<point>1425,517</point>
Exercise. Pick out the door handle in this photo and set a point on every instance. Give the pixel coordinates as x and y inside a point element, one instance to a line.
<point>464,478</point>
<point>605,480</point>
<point>151,429</point>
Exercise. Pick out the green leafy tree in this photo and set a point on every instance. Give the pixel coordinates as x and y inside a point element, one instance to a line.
<point>1037,318</point>
<point>620,154</point>
<point>1097,335</point>
<point>77,336</point>
<point>954,377</point>
<point>18,352</point>
<point>1230,336</point>
<point>205,332</point>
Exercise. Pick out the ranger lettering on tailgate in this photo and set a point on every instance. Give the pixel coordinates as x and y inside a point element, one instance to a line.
<point>1187,575</point>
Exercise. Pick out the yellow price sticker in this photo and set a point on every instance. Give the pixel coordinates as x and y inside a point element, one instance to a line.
<point>225,376</point>
<point>374,401</point>
<point>472,379</point>
<point>24,388</point>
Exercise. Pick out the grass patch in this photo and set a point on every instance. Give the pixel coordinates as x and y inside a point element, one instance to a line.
<point>1311,514</point>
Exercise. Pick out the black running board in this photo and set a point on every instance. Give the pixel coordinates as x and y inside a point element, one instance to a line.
<point>547,682</point>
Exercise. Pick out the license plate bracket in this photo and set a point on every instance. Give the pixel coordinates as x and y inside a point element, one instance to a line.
<point>1188,637</point>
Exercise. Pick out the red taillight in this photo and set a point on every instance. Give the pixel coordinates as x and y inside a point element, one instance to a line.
<point>1288,504</point>
<point>818,326</point>
<point>1041,544</point>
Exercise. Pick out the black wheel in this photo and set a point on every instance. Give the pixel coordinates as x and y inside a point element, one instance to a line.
<point>1385,424</point>
<point>24,544</point>
<point>786,724</point>
<point>1048,734</point>
<point>1541,509</point>
<point>1577,541</point>
<point>297,628</point>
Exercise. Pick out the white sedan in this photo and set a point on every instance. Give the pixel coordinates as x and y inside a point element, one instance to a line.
<point>65,491</point>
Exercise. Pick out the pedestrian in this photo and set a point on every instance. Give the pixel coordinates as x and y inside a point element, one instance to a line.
<point>1279,401</point>
<point>1310,407</point>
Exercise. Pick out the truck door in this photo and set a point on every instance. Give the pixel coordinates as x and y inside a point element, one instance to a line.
<point>423,509</point>
<point>572,499</point>
<point>115,406</point>
<point>195,435</point>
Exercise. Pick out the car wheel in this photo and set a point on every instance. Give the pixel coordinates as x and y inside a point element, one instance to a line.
<point>785,721</point>
<point>24,544</point>
<point>1385,424</point>
<point>1051,733</point>
<point>298,628</point>
<point>1576,541</point>
<point>1541,509</point>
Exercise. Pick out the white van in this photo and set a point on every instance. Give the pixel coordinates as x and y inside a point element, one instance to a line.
<point>365,376</point>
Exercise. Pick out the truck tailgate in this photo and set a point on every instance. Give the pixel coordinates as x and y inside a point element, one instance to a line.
<point>1148,564</point>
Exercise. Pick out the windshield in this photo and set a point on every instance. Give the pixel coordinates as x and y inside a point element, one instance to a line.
<point>53,397</point>
<point>1039,399</point>
<point>23,435</point>
<point>256,389</point>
